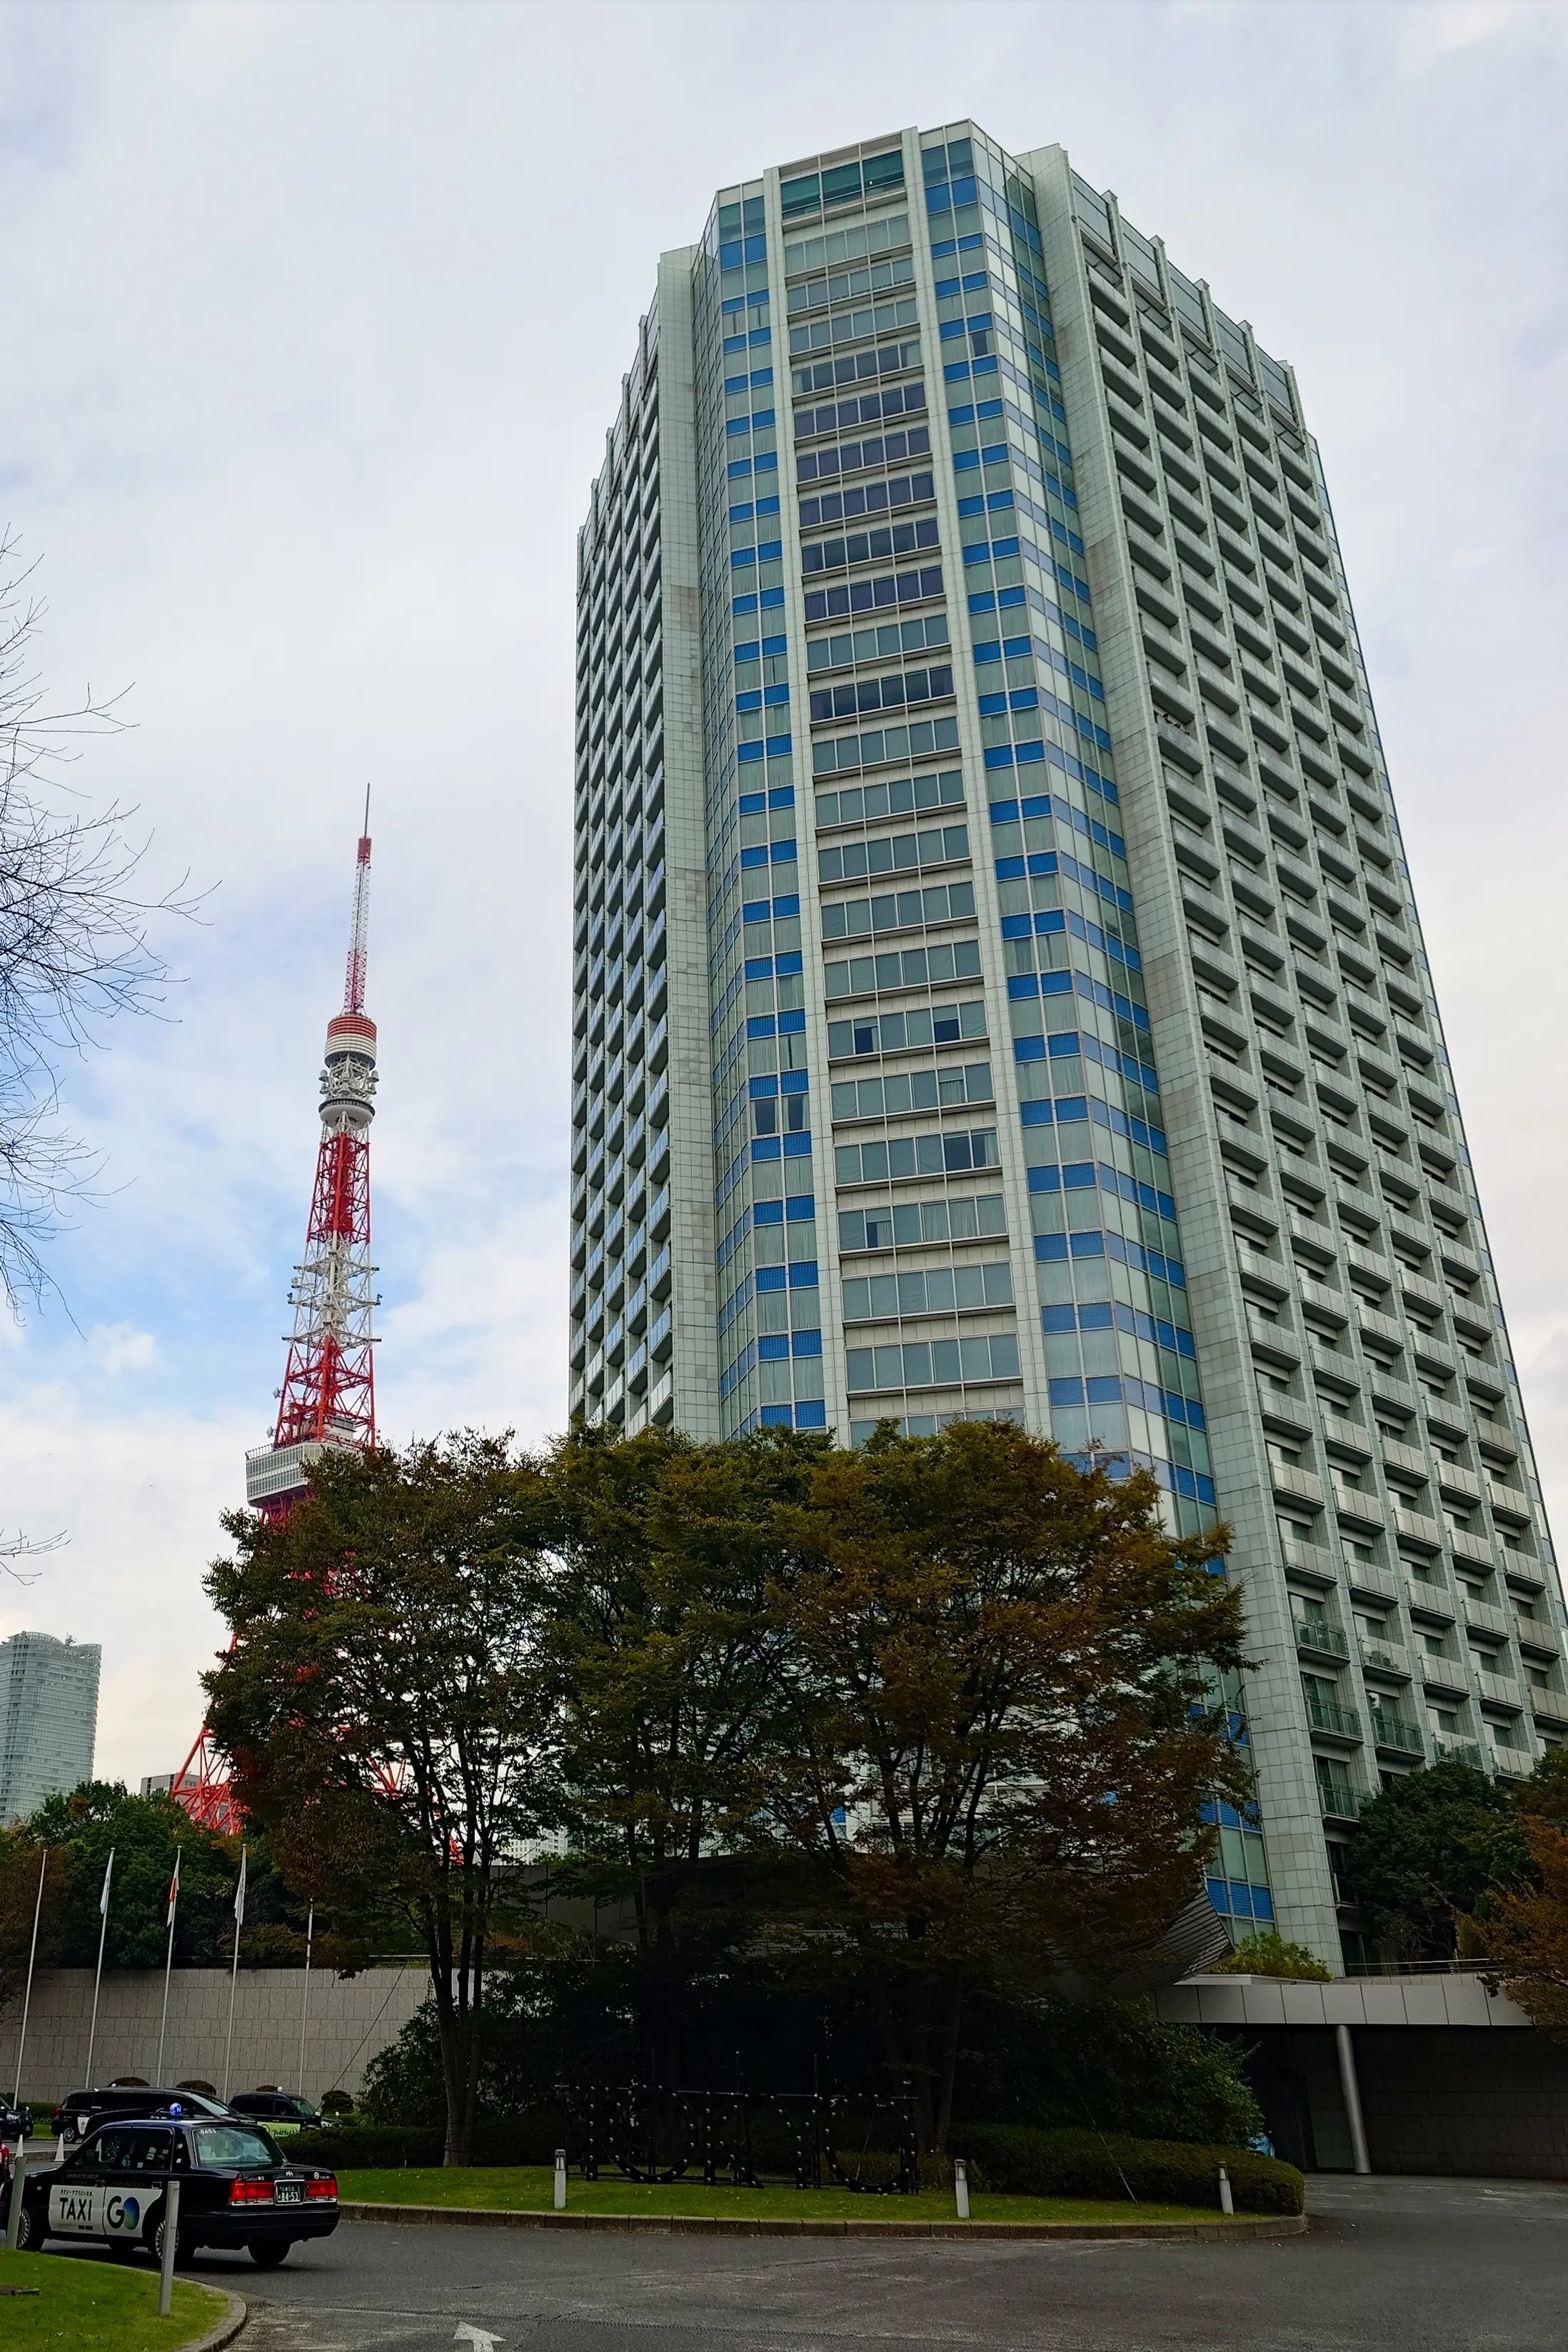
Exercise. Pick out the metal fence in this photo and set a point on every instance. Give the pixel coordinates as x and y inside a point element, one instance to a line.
<point>747,2138</point>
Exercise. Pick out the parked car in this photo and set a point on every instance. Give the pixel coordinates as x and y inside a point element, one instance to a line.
<point>281,2111</point>
<point>79,2110</point>
<point>15,2123</point>
<point>236,2190</point>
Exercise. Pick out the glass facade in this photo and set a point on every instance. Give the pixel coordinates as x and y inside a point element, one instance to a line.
<point>49,1719</point>
<point>997,988</point>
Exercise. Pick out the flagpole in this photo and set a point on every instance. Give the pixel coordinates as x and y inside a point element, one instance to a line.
<point>98,1980</point>
<point>305,1997</point>
<point>234,1975</point>
<point>32,1956</point>
<point>168,1962</point>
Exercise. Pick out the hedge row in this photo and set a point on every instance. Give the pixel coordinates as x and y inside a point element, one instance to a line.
<point>1014,2161</point>
<point>528,2138</point>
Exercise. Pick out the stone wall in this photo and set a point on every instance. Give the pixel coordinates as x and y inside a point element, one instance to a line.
<point>1465,2102</point>
<point>349,2018</point>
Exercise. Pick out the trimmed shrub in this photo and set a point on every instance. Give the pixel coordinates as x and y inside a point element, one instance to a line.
<point>1014,2161</point>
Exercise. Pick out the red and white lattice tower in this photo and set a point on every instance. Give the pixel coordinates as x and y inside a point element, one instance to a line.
<point>328,1397</point>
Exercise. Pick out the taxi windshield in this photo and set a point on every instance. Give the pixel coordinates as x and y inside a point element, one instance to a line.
<point>224,2143</point>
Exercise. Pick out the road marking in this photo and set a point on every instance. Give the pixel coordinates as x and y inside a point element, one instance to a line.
<point>476,2337</point>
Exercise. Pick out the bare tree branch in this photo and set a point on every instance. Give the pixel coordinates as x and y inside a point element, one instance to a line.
<point>74,933</point>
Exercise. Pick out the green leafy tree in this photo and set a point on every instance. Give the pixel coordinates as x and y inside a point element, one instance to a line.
<point>666,1665</point>
<point>1111,2065</point>
<point>996,1747</point>
<point>385,1710</point>
<point>1429,1847</point>
<point>145,1833</point>
<point>22,1863</point>
<point>1273,1955</point>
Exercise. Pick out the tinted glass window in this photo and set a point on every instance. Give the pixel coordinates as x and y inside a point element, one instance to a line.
<point>109,2151</point>
<point>149,2150</point>
<point>233,2144</point>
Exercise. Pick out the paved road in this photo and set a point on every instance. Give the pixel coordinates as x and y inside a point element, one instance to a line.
<point>1388,2266</point>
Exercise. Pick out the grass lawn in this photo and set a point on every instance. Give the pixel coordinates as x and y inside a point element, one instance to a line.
<point>97,2306</point>
<point>529,2189</point>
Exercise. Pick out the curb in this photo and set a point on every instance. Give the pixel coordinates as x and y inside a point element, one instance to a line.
<point>227,2329</point>
<point>1250,2226</point>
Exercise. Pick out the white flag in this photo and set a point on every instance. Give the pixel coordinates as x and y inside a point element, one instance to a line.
<point>107,1875</point>
<point>173,1891</point>
<point>240,1893</point>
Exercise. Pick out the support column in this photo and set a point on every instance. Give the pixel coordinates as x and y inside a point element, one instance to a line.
<point>1350,2089</point>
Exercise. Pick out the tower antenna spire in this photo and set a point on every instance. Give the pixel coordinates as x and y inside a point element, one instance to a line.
<point>328,1397</point>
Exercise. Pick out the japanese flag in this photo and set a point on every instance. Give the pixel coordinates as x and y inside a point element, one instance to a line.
<point>173,1891</point>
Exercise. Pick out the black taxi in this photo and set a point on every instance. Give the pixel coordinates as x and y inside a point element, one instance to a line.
<point>236,2190</point>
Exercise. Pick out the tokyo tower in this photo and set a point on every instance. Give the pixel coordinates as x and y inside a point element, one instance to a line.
<point>328,1397</point>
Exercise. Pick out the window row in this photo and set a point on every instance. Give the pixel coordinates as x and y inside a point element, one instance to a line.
<point>928,1290</point>
<point>823,464</point>
<point>911,1090</point>
<point>938,1363</point>
<point>853,861</point>
<point>940,902</point>
<point>958,1217</point>
<point>913,968</point>
<point>904,1157</point>
<point>867,498</point>
<point>895,1033</point>
<point>881,643</point>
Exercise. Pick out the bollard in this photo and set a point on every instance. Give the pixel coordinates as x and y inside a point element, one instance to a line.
<point>560,2179</point>
<point>171,2240</point>
<point>18,2175</point>
<point>1227,2201</point>
<point>960,2187</point>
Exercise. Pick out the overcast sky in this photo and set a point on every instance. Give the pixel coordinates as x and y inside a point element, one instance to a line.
<point>314,319</point>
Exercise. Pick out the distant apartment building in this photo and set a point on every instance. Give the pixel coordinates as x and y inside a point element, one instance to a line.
<point>48,1719</point>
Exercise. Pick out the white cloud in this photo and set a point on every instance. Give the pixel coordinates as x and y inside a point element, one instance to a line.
<point>121,1348</point>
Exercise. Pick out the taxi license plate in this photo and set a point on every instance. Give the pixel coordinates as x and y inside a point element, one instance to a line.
<point>289,2192</point>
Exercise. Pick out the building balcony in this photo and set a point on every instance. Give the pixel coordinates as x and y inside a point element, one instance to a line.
<point>1330,1721</point>
<point>1549,1706</point>
<point>1501,1690</point>
<point>1418,1528</point>
<point>1387,1658</point>
<point>1296,1486</point>
<point>1457,1751</point>
<point>1395,1734</point>
<point>1445,1675</point>
<point>1317,1636</point>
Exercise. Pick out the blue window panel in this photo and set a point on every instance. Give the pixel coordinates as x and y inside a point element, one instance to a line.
<point>1065,1392</point>
<point>744,753</point>
<point>1091,1244</point>
<point>1010,869</point>
<point>1014,926</point>
<point>770,1278</point>
<point>759,968</point>
<point>755,856</point>
<point>783,852</point>
<point>1056,1319</point>
<point>768,1212</point>
<point>1064,1043</point>
<point>1240,1899</point>
<point>761,1024</point>
<point>805,1343</point>
<point>776,1417</point>
<point>814,1415</point>
<point>790,1025</point>
<point>1070,1108</point>
<point>795,1081</point>
<point>1031,1049</point>
<point>790,960</point>
<point>770,597</point>
<point>754,910</point>
<point>781,796</point>
<point>802,1274</point>
<point>789,904</point>
<point>1218,1892</point>
<point>775,694</point>
<point>1045,1179</point>
<point>1034,1114</point>
<point>1030,751</point>
<point>1262,1902</point>
<point>1055,984</point>
<point>1005,811</point>
<point>1104,1391</point>
<point>1077,1176</point>
<point>762,1090</point>
<point>801,1207</point>
<point>985,601</point>
<point>1021,985</point>
<point>992,705</point>
<point>1050,922</point>
<point>1094,1318</point>
<point>1050,1247</point>
<point>744,604</point>
<point>770,1350</point>
<point>753,804</point>
<point>767,1147</point>
<point>798,1147</point>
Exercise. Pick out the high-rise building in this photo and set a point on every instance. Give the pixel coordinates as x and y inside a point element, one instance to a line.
<point>48,1719</point>
<point>997,986</point>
